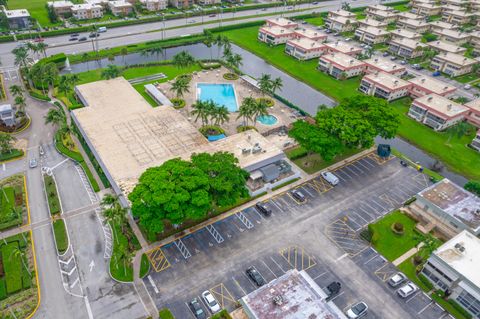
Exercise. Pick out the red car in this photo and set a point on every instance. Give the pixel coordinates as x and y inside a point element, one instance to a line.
<point>39,40</point>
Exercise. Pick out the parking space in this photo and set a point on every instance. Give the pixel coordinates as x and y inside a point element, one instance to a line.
<point>298,258</point>
<point>345,237</point>
<point>158,259</point>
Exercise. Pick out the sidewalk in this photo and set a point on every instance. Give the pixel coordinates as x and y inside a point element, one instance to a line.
<point>407,255</point>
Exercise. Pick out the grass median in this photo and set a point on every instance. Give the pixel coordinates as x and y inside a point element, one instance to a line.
<point>52,195</point>
<point>61,237</point>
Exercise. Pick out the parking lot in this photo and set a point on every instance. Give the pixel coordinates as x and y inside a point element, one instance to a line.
<point>294,236</point>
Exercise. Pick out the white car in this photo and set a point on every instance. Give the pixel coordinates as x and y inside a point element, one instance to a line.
<point>358,310</point>
<point>467,87</point>
<point>396,279</point>
<point>407,290</point>
<point>210,301</point>
<point>330,178</point>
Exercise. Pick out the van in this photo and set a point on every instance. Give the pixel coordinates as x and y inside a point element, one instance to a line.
<point>102,29</point>
<point>330,178</point>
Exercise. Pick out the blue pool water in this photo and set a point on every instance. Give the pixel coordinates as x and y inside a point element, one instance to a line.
<point>267,119</point>
<point>222,94</point>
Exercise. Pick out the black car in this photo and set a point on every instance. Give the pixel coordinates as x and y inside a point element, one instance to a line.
<point>82,39</point>
<point>333,290</point>
<point>93,35</point>
<point>73,39</point>
<point>262,208</point>
<point>74,35</point>
<point>298,195</point>
<point>197,309</point>
<point>255,276</point>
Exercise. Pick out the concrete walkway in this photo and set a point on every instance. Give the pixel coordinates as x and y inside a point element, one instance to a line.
<point>407,255</point>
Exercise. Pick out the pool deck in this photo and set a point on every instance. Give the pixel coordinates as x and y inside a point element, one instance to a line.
<point>284,114</point>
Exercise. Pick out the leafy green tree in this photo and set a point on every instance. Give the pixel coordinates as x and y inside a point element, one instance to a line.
<point>16,90</point>
<point>183,60</point>
<point>175,191</point>
<point>6,141</point>
<point>226,179</point>
<point>4,20</point>
<point>473,187</point>
<point>458,130</point>
<point>316,140</point>
<point>111,72</point>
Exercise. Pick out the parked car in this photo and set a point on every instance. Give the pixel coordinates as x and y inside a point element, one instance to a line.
<point>333,289</point>
<point>397,279</point>
<point>407,290</point>
<point>33,163</point>
<point>467,87</point>
<point>262,208</point>
<point>93,35</point>
<point>197,309</point>
<point>403,62</point>
<point>73,39</point>
<point>348,39</point>
<point>417,66</point>
<point>255,276</point>
<point>393,58</point>
<point>298,195</point>
<point>358,310</point>
<point>102,29</point>
<point>82,39</point>
<point>39,39</point>
<point>74,35</point>
<point>436,73</point>
<point>386,54</point>
<point>41,151</point>
<point>213,15</point>
<point>210,301</point>
<point>330,178</point>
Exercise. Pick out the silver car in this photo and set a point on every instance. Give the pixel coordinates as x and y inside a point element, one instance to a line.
<point>33,163</point>
<point>407,290</point>
<point>397,279</point>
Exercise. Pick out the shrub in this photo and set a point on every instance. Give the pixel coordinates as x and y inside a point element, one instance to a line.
<point>297,153</point>
<point>3,289</point>
<point>417,260</point>
<point>209,65</point>
<point>398,228</point>
<point>144,266</point>
<point>409,201</point>
<point>241,129</point>
<point>165,314</point>
<point>425,281</point>
<point>61,237</point>
<point>178,103</point>
<point>268,101</point>
<point>230,76</point>
<point>39,96</point>
<point>208,130</point>
<point>459,308</point>
<point>473,187</point>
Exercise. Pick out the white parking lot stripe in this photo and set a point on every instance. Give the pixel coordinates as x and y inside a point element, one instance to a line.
<point>342,171</point>
<point>269,269</point>
<point>424,308</point>
<point>280,267</point>
<point>410,299</point>
<point>306,190</point>
<point>351,170</point>
<point>362,164</point>
<point>238,284</point>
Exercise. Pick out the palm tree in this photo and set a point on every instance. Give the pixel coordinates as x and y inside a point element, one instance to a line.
<point>183,59</point>
<point>209,41</point>
<point>16,90</point>
<point>20,103</point>
<point>56,117</point>
<point>51,73</point>
<point>260,108</point>
<point>124,254</point>
<point>346,6</point>
<point>21,56</point>
<point>201,110</point>
<point>157,50</point>
<point>226,43</point>
<point>180,86</point>
<point>246,109</point>
<point>111,72</point>
<point>218,41</point>
<point>42,47</point>
<point>32,47</point>
<point>265,83</point>
<point>124,52</point>
<point>235,60</point>
<point>85,57</point>
<point>74,78</point>
<point>221,115</point>
<point>19,253</point>
<point>109,200</point>
<point>276,84</point>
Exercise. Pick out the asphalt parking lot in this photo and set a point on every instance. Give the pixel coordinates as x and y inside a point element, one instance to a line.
<point>294,236</point>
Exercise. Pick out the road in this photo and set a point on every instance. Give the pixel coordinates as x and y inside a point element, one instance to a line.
<point>152,31</point>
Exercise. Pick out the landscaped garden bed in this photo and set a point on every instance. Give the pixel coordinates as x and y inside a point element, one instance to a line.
<point>230,76</point>
<point>61,237</point>
<point>125,243</point>
<point>12,201</point>
<point>52,195</point>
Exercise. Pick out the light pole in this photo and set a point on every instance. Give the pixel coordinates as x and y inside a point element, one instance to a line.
<point>163,26</point>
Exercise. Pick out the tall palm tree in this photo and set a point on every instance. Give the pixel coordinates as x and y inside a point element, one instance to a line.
<point>21,56</point>
<point>209,41</point>
<point>276,84</point>
<point>221,115</point>
<point>201,110</point>
<point>124,52</point>
<point>246,109</point>
<point>16,90</point>
<point>226,42</point>
<point>55,117</point>
<point>259,109</point>
<point>218,41</point>
<point>111,72</point>
<point>235,60</point>
<point>265,83</point>
<point>20,103</point>
<point>180,86</point>
<point>85,58</point>
<point>109,201</point>
<point>156,50</point>
<point>74,78</point>
<point>125,255</point>
<point>32,46</point>
<point>42,47</point>
<point>183,59</point>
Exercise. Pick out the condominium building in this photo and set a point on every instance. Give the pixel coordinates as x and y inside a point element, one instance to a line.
<point>87,11</point>
<point>424,85</point>
<point>475,144</point>
<point>426,9</point>
<point>453,268</point>
<point>410,16</point>
<point>418,26</point>
<point>275,35</point>
<point>384,85</point>
<point>473,115</point>
<point>437,111</point>
<point>452,36</point>
<point>208,2</point>
<point>458,3</point>
<point>342,13</point>
<point>375,65</point>
<point>154,5</point>
<point>378,7</point>
<point>453,64</point>
<point>457,17</point>
<point>340,66</point>
<point>181,4</point>
<point>18,19</point>
<point>369,22</point>
<point>406,48</point>
<point>440,25</point>
<point>450,7</point>
<point>310,34</point>
<point>120,8</point>
<point>475,41</point>
<point>442,47</point>
<point>405,34</point>
<point>343,47</point>
<point>61,8</point>
<point>380,15</point>
<point>282,23</point>
<point>372,35</point>
<point>305,49</point>
<point>340,24</point>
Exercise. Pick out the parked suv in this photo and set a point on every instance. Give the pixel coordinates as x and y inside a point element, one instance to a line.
<point>298,195</point>
<point>333,290</point>
<point>262,208</point>
<point>255,276</point>
<point>197,309</point>
<point>330,178</point>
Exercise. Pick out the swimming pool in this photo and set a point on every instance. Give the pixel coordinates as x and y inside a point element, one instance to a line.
<point>267,119</point>
<point>222,94</point>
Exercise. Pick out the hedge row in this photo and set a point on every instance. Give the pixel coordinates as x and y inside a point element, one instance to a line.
<point>297,153</point>
<point>39,96</point>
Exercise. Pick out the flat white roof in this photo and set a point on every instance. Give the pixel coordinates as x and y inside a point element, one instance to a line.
<point>379,7</point>
<point>341,59</point>
<point>301,298</point>
<point>408,43</point>
<point>402,33</point>
<point>19,13</point>
<point>459,13</point>
<point>452,33</point>
<point>373,23</point>
<point>344,47</point>
<point>310,33</point>
<point>281,22</point>
<point>409,15</point>
<point>385,65</point>
<point>86,6</point>
<point>440,105</point>
<point>446,47</point>
<point>443,25</point>
<point>475,105</point>
<point>426,5</point>
<point>462,254</point>
<point>373,30</point>
<point>130,136</point>
<point>276,30</point>
<point>387,80</point>
<point>381,13</point>
<point>342,20</point>
<point>431,84</point>
<point>343,13</point>
<point>119,4</point>
<point>306,43</point>
<point>456,59</point>
<point>60,4</point>
<point>415,23</point>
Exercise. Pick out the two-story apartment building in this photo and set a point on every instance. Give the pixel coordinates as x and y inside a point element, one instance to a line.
<point>378,7</point>
<point>437,111</point>
<point>410,16</point>
<point>405,34</point>
<point>378,64</point>
<point>156,5</point>
<point>369,22</point>
<point>275,35</point>
<point>475,41</point>
<point>473,115</point>
<point>426,9</point>
<point>304,48</point>
<point>310,34</point>
<point>453,36</point>
<point>457,17</point>
<point>406,48</point>
<point>343,47</point>
<point>384,85</point>
<point>372,35</point>
<point>340,66</point>
<point>340,24</point>
<point>440,25</point>
<point>442,47</point>
<point>459,3</point>
<point>61,8</point>
<point>18,19</point>
<point>342,13</point>
<point>424,85</point>
<point>385,16</point>
<point>418,26</point>
<point>475,144</point>
<point>452,64</point>
<point>281,22</point>
<point>120,8</point>
<point>87,11</point>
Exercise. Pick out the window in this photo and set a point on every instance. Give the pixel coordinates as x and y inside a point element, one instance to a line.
<point>469,302</point>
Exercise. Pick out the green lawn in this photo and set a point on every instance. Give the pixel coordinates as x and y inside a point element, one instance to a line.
<point>120,268</point>
<point>389,244</point>
<point>52,195</point>
<point>316,21</point>
<point>35,7</point>
<point>455,154</point>
<point>165,313</point>
<point>61,237</point>
<point>401,7</point>
<point>144,266</point>
<point>12,266</point>
<point>467,78</point>
<point>11,155</point>
<point>10,213</point>
<point>409,269</point>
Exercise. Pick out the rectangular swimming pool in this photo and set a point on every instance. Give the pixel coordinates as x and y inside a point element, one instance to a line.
<point>222,94</point>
